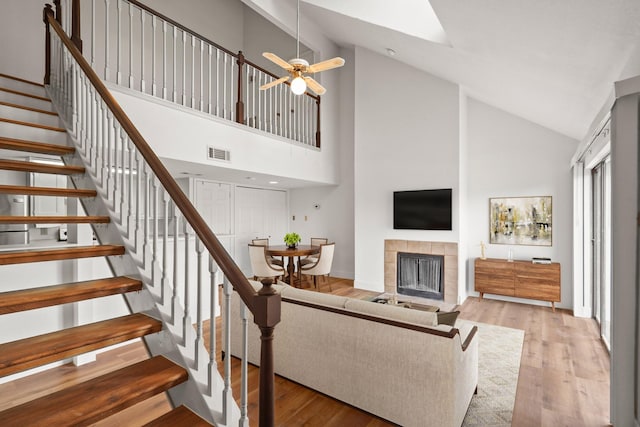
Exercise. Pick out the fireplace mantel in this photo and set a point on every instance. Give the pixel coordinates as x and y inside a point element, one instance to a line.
<point>448,249</point>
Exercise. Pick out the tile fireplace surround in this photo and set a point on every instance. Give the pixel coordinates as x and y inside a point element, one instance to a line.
<point>448,249</point>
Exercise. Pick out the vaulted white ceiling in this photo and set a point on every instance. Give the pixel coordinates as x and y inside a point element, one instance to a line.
<point>552,62</point>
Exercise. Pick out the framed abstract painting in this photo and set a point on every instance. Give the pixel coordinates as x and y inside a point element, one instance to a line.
<point>520,221</point>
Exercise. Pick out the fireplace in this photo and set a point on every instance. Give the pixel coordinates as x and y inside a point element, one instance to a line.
<point>449,250</point>
<point>421,275</point>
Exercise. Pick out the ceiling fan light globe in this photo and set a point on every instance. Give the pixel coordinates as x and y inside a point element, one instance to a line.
<point>298,86</point>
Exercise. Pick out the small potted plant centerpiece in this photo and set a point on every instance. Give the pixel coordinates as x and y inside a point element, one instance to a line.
<point>292,239</point>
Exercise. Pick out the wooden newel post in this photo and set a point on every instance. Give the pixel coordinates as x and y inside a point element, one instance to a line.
<point>239,103</point>
<point>48,11</point>
<point>318,122</point>
<point>267,316</point>
<point>76,38</point>
<point>58,5</point>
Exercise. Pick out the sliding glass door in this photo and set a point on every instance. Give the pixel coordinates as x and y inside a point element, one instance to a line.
<point>601,244</point>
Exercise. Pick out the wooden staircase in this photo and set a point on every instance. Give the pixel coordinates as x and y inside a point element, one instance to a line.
<point>25,129</point>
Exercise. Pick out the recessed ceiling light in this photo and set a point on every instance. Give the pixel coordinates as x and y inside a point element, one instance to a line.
<point>273,182</point>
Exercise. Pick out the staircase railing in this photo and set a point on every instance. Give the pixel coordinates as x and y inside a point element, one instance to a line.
<point>168,239</point>
<point>137,47</point>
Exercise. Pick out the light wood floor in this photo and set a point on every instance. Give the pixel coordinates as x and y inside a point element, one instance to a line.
<point>564,374</point>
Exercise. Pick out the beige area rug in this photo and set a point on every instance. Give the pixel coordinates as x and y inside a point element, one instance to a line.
<point>499,355</point>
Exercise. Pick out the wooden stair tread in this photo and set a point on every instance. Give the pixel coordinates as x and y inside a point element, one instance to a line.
<point>46,191</point>
<point>34,147</point>
<point>57,219</point>
<point>56,254</point>
<point>17,92</point>
<point>46,296</point>
<point>8,76</point>
<point>33,125</point>
<point>180,416</point>
<point>23,107</point>
<point>22,166</point>
<point>18,356</point>
<point>98,398</point>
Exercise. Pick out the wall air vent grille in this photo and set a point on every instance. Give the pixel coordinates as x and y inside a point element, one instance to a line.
<point>218,154</point>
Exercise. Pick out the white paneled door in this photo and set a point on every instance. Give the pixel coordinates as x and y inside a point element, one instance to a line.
<point>259,213</point>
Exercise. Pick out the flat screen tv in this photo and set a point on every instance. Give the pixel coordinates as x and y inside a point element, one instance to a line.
<point>422,210</point>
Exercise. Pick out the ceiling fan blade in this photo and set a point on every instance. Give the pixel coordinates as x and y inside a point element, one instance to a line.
<point>273,83</point>
<point>326,65</point>
<point>277,60</point>
<point>314,85</point>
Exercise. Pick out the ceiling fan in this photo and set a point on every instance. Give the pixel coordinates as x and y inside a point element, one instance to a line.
<point>298,68</point>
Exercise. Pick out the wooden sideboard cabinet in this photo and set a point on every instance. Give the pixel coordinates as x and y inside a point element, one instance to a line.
<point>521,279</point>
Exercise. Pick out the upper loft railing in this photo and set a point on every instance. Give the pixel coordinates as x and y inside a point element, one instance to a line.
<point>164,232</point>
<point>137,47</point>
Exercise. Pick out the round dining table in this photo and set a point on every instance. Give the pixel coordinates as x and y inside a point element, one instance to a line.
<point>291,253</point>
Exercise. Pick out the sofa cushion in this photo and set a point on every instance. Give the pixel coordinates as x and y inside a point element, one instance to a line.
<point>327,300</point>
<point>402,314</point>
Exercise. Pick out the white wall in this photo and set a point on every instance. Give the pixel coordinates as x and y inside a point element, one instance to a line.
<point>334,218</point>
<point>22,52</point>
<point>509,156</point>
<point>406,131</point>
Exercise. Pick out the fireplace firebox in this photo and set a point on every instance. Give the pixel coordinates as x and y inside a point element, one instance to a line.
<point>421,275</point>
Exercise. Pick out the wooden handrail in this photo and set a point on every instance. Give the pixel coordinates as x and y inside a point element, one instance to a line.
<point>191,215</point>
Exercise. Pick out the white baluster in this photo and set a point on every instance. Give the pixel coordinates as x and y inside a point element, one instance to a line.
<point>119,48</point>
<point>154,87</point>
<point>227,396</point>
<point>107,74</point>
<point>184,68</point>
<point>165,240</point>
<point>154,216</point>
<point>186,320</point>
<point>110,144</point>
<point>105,145</point>
<point>210,86</point>
<point>164,60</point>
<point>201,75</point>
<point>199,301</point>
<point>247,84</point>
<point>175,91</point>
<point>218,82</point>
<point>138,195</point>
<point>117,171</point>
<point>193,71</point>
<point>142,46</point>
<point>244,419</point>
<point>256,84</point>
<point>125,172</point>
<point>213,364</point>
<point>131,147</point>
<point>224,86</point>
<point>131,41</point>
<point>174,299</point>
<point>145,193</point>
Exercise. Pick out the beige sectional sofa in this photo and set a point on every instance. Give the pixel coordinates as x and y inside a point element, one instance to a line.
<point>393,362</point>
